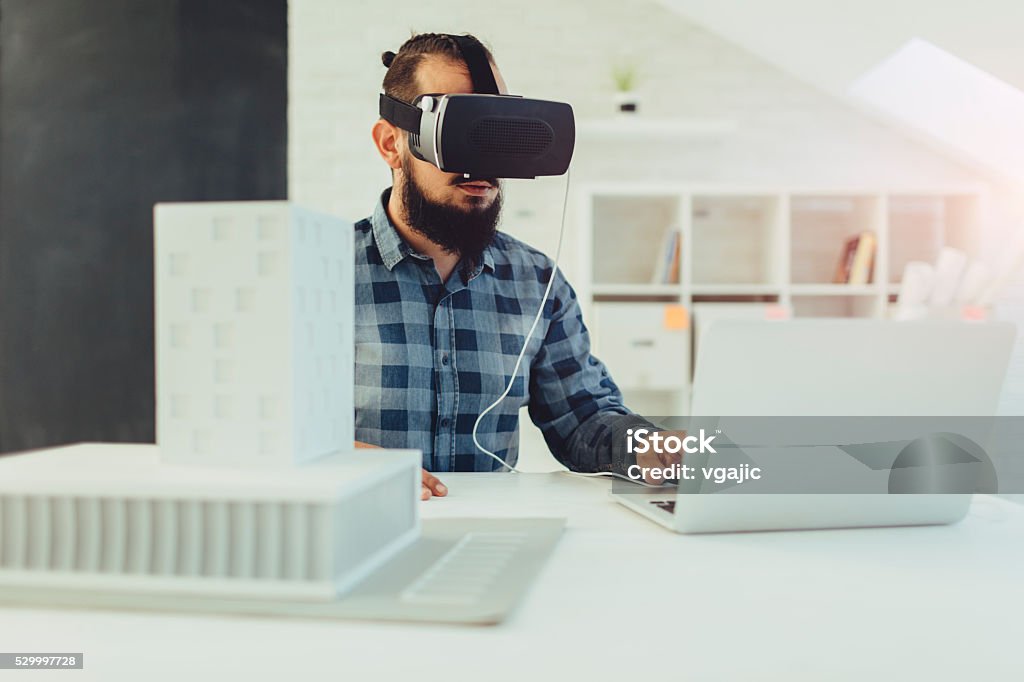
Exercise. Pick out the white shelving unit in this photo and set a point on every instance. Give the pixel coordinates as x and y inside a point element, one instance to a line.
<point>768,251</point>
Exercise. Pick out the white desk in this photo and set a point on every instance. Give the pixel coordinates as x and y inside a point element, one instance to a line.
<point>622,597</point>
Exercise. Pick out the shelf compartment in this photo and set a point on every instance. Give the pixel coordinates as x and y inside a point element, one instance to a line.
<point>628,236</point>
<point>735,241</point>
<point>820,225</point>
<point>920,225</point>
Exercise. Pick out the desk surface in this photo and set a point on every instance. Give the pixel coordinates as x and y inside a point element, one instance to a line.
<point>622,596</point>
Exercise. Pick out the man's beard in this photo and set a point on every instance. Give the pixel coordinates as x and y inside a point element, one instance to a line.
<point>466,232</point>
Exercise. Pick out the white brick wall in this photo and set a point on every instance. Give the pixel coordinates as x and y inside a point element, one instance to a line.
<point>787,132</point>
<point>563,50</point>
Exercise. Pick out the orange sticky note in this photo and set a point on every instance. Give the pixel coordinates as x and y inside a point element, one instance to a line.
<point>676,318</point>
<point>974,313</point>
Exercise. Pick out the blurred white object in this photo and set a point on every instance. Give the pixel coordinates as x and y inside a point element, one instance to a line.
<point>974,281</point>
<point>949,268</point>
<point>254,345</point>
<point>915,291</point>
<point>917,283</point>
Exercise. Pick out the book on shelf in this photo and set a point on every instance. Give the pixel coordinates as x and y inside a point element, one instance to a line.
<point>856,260</point>
<point>667,265</point>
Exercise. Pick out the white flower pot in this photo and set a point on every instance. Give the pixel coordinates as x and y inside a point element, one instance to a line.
<point>627,103</point>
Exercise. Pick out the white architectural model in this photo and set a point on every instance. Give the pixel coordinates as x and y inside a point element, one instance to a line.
<point>112,517</point>
<point>253,333</point>
<point>253,489</point>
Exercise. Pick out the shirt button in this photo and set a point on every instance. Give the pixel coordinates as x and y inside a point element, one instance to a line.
<point>445,423</point>
<point>444,359</point>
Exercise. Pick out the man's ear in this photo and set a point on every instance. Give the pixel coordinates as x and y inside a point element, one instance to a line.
<point>498,80</point>
<point>387,139</point>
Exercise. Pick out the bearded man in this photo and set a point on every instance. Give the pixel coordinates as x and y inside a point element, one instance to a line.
<point>444,302</point>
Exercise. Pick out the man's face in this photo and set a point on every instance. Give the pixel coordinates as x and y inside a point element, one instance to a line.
<point>459,215</point>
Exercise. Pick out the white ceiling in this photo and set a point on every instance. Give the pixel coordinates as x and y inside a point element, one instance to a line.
<point>831,44</point>
<point>947,99</point>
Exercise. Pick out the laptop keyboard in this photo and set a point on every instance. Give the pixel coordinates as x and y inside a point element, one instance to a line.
<point>667,505</point>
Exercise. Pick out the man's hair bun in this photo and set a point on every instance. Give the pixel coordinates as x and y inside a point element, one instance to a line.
<point>387,58</point>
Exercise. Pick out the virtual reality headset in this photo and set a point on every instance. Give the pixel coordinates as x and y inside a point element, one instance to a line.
<point>485,135</point>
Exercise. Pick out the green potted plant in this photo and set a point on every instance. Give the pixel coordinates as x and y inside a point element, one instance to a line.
<point>625,75</point>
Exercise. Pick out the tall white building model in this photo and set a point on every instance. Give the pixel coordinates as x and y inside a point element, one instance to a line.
<point>253,333</point>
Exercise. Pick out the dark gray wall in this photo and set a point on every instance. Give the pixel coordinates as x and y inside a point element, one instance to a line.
<point>106,107</point>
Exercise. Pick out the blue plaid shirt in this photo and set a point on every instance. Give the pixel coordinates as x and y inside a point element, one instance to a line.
<point>431,355</point>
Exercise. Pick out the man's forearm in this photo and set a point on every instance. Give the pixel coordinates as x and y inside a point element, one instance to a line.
<point>599,443</point>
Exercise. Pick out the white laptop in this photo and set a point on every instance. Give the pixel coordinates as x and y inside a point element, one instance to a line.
<point>833,367</point>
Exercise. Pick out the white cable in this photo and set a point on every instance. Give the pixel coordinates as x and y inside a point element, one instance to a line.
<point>522,352</point>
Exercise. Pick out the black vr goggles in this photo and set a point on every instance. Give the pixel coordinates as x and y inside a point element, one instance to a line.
<point>486,135</point>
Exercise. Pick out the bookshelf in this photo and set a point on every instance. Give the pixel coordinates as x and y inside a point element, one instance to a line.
<point>768,252</point>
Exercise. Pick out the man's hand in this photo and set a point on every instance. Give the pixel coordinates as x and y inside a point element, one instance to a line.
<point>659,458</point>
<point>432,487</point>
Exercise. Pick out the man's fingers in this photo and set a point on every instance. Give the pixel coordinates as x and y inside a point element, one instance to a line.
<point>433,484</point>
<point>668,459</point>
<point>425,493</point>
<point>660,460</point>
<point>429,480</point>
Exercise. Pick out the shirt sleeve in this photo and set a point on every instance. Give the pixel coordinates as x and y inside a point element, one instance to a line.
<point>573,399</point>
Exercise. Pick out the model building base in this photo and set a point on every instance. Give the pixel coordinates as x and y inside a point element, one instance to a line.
<point>101,516</point>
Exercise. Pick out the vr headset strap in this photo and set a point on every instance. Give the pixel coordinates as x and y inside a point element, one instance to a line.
<point>479,67</point>
<point>397,112</point>
<point>407,117</point>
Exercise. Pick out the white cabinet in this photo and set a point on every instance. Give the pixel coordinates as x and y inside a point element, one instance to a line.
<point>646,346</point>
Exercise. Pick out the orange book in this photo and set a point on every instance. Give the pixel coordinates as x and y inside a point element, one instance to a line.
<point>863,260</point>
<point>845,264</point>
